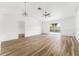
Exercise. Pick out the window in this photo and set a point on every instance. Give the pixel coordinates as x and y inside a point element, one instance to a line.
<point>54,27</point>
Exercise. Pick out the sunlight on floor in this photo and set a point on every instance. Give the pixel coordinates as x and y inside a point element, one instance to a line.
<point>55,35</point>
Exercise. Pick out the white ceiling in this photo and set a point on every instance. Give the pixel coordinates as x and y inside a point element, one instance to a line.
<point>58,10</point>
<point>11,7</point>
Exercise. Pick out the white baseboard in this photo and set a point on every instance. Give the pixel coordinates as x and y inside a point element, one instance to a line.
<point>9,37</point>
<point>77,37</point>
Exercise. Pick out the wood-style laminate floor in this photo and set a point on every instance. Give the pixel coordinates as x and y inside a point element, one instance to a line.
<point>41,45</point>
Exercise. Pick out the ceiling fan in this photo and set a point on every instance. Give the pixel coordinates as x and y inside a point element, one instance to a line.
<point>45,14</point>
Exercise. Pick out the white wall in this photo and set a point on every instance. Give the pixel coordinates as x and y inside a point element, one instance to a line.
<point>45,27</point>
<point>32,26</point>
<point>11,24</point>
<point>68,26</point>
<point>32,21</point>
<point>11,20</point>
<point>1,33</point>
<point>77,25</point>
<point>9,27</point>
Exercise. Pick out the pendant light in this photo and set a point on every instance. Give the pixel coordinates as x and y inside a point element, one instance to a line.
<point>24,14</point>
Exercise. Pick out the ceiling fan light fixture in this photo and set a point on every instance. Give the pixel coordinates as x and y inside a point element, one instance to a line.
<point>45,14</point>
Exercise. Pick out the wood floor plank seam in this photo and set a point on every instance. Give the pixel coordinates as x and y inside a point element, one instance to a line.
<point>41,45</point>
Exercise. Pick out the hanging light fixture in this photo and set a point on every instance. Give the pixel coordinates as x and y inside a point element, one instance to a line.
<point>45,14</point>
<point>25,14</point>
